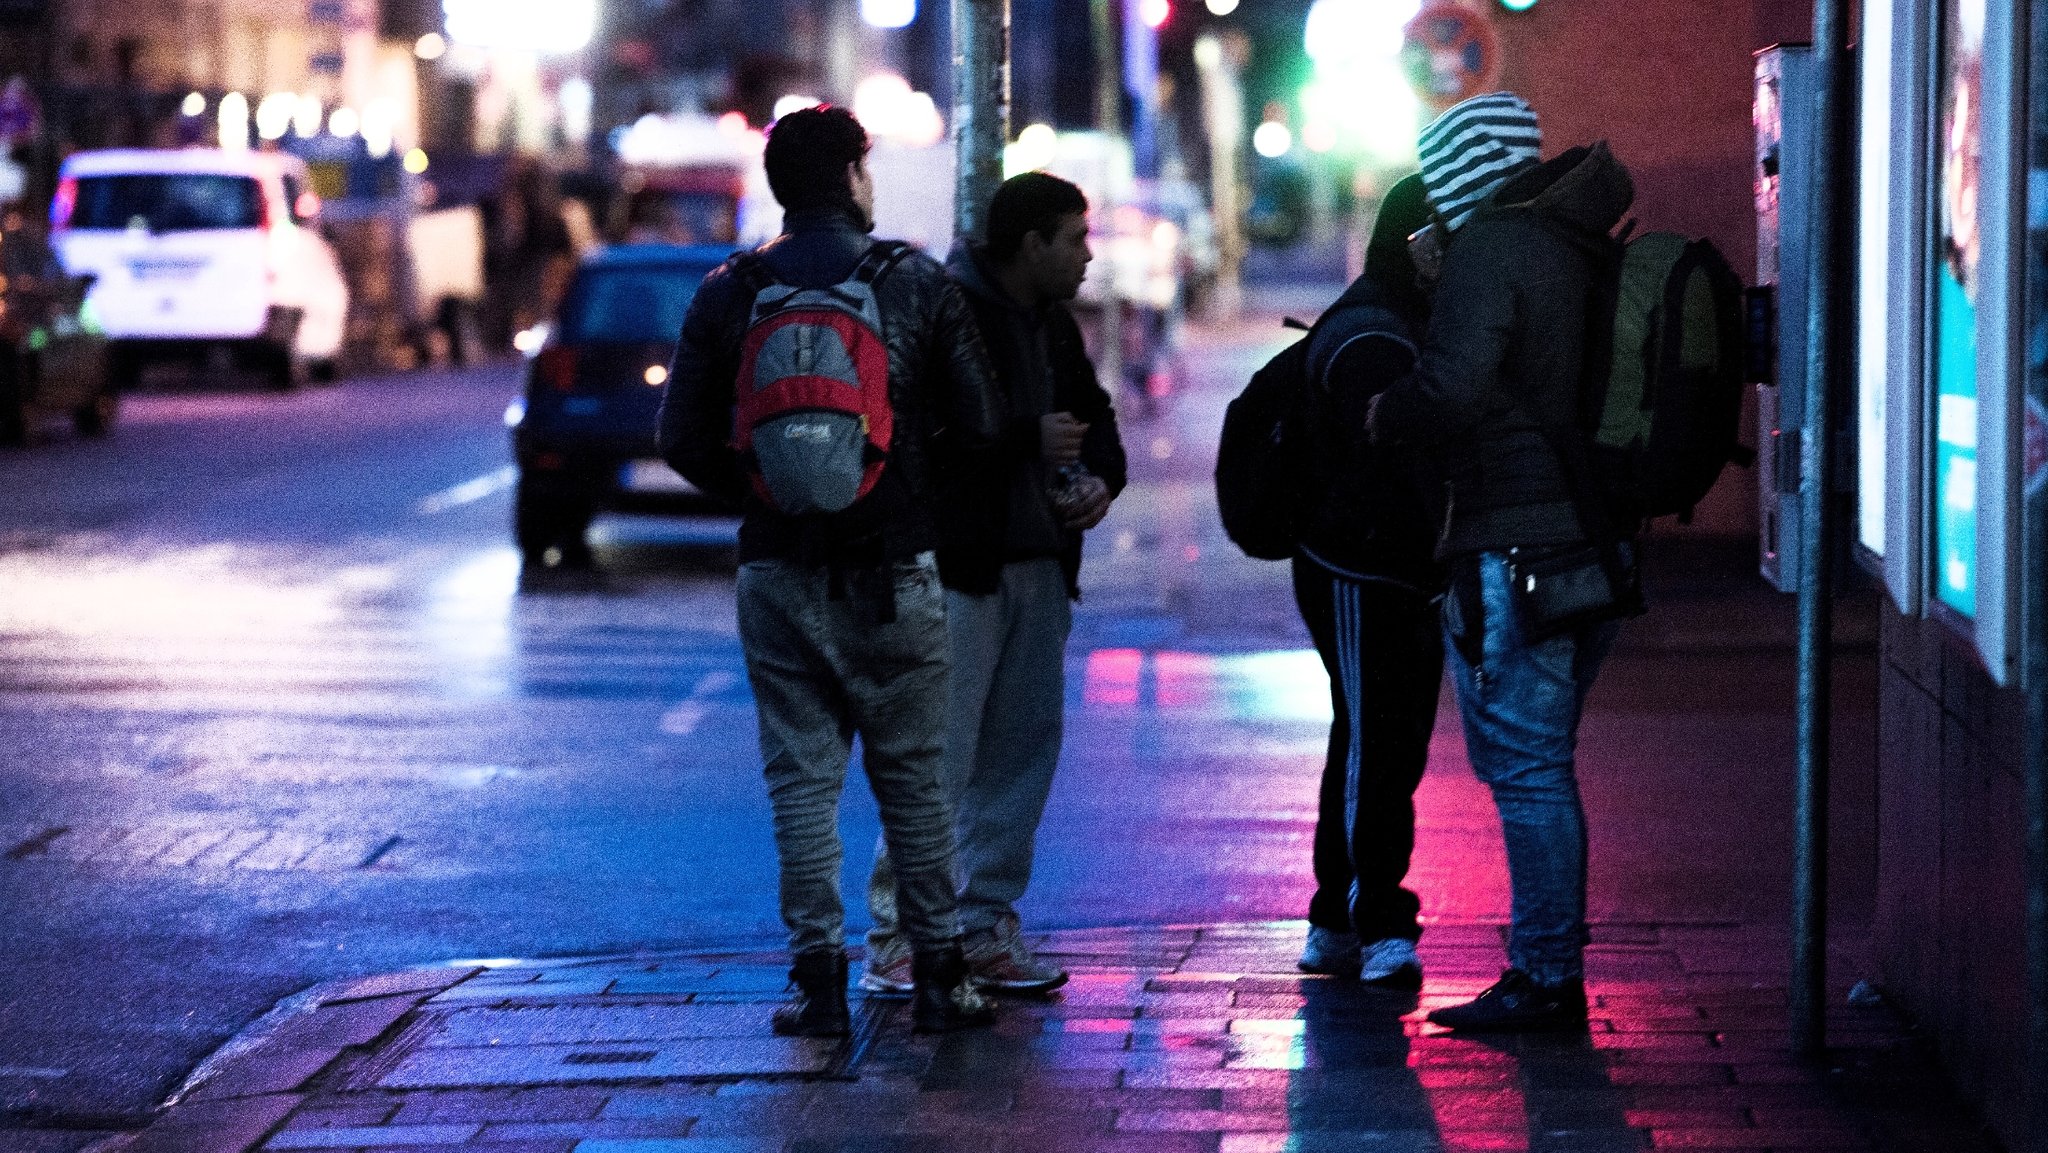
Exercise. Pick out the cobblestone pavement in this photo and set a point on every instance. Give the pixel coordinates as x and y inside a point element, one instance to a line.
<point>1201,1039</point>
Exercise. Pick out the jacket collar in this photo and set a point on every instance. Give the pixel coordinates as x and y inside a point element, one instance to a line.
<point>828,218</point>
<point>968,265</point>
<point>1585,189</point>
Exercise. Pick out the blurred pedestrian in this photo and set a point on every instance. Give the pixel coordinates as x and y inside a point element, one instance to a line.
<point>1011,562</point>
<point>841,614</point>
<point>1496,399</point>
<point>1366,584</point>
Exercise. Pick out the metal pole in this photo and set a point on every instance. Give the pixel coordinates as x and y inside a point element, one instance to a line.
<point>1109,118</point>
<point>981,108</point>
<point>2034,625</point>
<point>1816,570</point>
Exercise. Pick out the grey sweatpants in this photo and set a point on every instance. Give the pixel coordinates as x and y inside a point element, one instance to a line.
<point>1003,726</point>
<point>824,668</point>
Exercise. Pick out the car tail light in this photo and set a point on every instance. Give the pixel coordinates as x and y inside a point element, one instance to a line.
<point>556,368</point>
<point>64,204</point>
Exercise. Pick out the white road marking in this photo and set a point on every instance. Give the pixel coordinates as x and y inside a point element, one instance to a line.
<point>683,719</point>
<point>469,491</point>
<point>33,1072</point>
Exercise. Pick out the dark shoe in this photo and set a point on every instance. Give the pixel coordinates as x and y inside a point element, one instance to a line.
<point>1517,1004</point>
<point>819,1007</point>
<point>944,998</point>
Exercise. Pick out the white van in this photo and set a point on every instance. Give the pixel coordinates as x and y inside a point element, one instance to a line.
<point>195,248</point>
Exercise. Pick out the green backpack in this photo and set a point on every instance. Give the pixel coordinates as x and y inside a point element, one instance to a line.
<point>1664,377</point>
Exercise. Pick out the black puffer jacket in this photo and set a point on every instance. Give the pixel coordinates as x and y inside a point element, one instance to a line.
<point>1497,390</point>
<point>947,410</point>
<point>1020,340</point>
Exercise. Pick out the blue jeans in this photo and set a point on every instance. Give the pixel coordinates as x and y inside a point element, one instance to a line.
<point>1521,704</point>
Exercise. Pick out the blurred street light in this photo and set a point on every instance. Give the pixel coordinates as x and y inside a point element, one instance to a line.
<point>1272,140</point>
<point>234,121</point>
<point>432,46</point>
<point>194,105</point>
<point>888,13</point>
<point>1154,12</point>
<point>1221,7</point>
<point>274,114</point>
<point>547,27</point>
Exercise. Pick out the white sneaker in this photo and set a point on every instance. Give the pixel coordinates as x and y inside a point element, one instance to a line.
<point>887,969</point>
<point>1391,964</point>
<point>1331,952</point>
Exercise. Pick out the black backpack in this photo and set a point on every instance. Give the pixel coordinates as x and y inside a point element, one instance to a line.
<point>1264,479</point>
<point>1663,394</point>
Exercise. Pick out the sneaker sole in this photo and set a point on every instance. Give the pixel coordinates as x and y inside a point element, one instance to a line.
<point>1019,988</point>
<point>1407,978</point>
<point>1328,970</point>
<point>885,987</point>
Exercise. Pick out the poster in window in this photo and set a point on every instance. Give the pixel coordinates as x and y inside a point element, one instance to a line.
<point>1955,306</point>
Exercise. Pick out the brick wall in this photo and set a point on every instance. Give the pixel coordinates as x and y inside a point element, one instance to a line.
<point>1668,84</point>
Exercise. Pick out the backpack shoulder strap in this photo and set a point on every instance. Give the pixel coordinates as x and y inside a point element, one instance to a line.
<point>752,272</point>
<point>882,256</point>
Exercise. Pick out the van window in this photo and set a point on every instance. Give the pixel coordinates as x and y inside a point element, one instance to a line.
<point>168,202</point>
<point>640,305</point>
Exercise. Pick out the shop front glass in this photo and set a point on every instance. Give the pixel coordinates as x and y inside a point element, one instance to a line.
<point>1956,280</point>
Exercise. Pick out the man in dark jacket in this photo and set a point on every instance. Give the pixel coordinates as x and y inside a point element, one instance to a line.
<point>1366,584</point>
<point>841,613</point>
<point>1496,401</point>
<point>1011,559</point>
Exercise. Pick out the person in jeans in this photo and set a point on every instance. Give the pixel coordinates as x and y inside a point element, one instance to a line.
<point>1366,585</point>
<point>1495,400</point>
<point>841,614</point>
<point>1010,560</point>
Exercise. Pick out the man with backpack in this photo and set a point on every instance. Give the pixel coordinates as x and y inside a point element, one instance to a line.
<point>1011,562</point>
<point>1366,585</point>
<point>832,386</point>
<point>1540,566</point>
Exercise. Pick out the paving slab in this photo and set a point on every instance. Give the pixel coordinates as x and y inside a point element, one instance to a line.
<point>1171,1041</point>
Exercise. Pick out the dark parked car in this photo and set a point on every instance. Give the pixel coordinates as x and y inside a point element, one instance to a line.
<point>583,433</point>
<point>53,357</point>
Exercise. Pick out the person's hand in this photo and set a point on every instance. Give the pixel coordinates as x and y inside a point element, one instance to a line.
<point>1090,505</point>
<point>1059,439</point>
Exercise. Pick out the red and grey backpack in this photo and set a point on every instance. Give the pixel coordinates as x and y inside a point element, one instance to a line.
<point>813,420</point>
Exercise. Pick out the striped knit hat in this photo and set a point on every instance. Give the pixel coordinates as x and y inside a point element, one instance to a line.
<point>1473,148</point>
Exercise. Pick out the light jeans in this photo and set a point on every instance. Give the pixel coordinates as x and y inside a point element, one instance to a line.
<point>1521,705</point>
<point>1003,727</point>
<point>824,668</point>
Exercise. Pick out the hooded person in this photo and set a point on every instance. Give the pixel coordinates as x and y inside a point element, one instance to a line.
<point>1494,402</point>
<point>1365,583</point>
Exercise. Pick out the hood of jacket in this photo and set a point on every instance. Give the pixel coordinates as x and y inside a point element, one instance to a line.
<point>968,265</point>
<point>1586,190</point>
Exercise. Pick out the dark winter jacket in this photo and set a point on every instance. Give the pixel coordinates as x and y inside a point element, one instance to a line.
<point>1376,518</point>
<point>1496,395</point>
<point>947,408</point>
<point>1042,367</point>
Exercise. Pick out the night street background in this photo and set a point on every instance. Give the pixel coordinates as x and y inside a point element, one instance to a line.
<point>275,708</point>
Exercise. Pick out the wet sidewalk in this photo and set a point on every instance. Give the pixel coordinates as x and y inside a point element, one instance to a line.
<point>1202,1039</point>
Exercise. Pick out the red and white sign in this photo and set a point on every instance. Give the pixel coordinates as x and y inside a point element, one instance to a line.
<point>1450,53</point>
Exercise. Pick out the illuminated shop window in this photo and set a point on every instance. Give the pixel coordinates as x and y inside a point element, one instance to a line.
<point>1956,258</point>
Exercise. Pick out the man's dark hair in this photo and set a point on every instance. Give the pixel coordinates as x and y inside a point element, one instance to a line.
<point>1033,202</point>
<point>808,151</point>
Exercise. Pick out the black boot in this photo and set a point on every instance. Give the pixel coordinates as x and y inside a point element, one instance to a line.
<point>819,1007</point>
<point>943,998</point>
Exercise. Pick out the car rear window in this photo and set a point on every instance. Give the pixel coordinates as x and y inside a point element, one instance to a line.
<point>168,202</point>
<point>643,305</point>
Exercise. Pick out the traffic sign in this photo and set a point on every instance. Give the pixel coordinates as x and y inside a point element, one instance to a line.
<point>1450,53</point>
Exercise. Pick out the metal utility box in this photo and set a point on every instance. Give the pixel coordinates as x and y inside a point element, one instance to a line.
<point>1783,178</point>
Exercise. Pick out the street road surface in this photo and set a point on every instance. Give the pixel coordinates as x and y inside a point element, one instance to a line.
<point>276,708</point>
